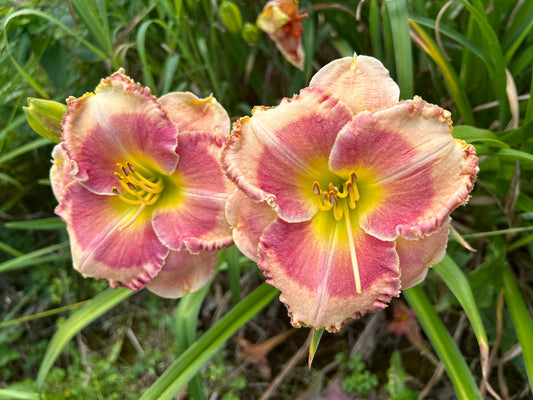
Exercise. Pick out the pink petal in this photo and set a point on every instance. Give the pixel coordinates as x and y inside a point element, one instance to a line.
<point>248,219</point>
<point>411,169</point>
<point>122,122</point>
<point>184,273</point>
<point>279,152</point>
<point>130,257</point>
<point>416,256</point>
<point>360,82</point>
<point>190,214</point>
<point>310,263</point>
<point>191,114</point>
<point>61,171</point>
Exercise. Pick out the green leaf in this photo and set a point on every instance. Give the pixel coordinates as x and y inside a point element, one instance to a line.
<point>45,224</point>
<point>521,320</point>
<point>13,394</point>
<point>454,363</point>
<point>35,144</point>
<point>185,322</point>
<point>35,257</point>
<point>471,134</point>
<point>190,362</point>
<point>313,347</point>
<point>456,281</point>
<point>450,76</point>
<point>399,22</point>
<point>75,323</point>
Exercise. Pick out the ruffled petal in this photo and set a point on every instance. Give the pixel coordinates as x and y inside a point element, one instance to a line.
<point>192,114</point>
<point>361,82</point>
<point>411,172</point>
<point>310,263</point>
<point>184,273</point>
<point>190,214</point>
<point>417,255</point>
<point>61,171</point>
<point>279,152</point>
<point>120,122</point>
<point>248,220</point>
<point>130,257</point>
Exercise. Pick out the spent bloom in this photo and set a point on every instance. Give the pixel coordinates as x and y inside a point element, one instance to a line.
<point>281,21</point>
<point>139,185</point>
<point>346,192</point>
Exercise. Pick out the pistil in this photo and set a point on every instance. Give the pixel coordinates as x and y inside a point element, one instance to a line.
<point>137,190</point>
<point>341,201</point>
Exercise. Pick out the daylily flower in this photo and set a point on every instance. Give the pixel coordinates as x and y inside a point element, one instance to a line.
<point>281,21</point>
<point>140,187</point>
<point>346,192</point>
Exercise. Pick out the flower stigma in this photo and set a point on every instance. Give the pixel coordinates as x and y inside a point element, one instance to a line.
<point>137,190</point>
<point>341,201</point>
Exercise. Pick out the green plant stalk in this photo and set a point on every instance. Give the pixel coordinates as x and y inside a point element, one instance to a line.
<point>190,362</point>
<point>454,363</point>
<point>75,323</point>
<point>521,320</point>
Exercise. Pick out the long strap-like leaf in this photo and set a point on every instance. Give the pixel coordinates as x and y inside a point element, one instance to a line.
<point>188,364</point>
<point>440,338</point>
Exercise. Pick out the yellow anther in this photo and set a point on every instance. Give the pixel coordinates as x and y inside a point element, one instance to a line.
<point>137,189</point>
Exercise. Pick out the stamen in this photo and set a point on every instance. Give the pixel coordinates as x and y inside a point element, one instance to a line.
<point>353,256</point>
<point>138,190</point>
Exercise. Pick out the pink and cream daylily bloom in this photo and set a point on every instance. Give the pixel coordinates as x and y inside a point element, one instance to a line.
<point>140,187</point>
<point>345,191</point>
<point>281,21</point>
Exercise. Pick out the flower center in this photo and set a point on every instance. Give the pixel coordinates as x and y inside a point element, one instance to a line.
<point>341,201</point>
<point>137,189</point>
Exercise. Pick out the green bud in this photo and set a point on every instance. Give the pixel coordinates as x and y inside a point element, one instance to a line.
<point>250,33</point>
<point>231,16</point>
<point>44,116</point>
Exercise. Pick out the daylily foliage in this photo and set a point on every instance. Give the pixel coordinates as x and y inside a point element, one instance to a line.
<point>140,188</point>
<point>345,192</point>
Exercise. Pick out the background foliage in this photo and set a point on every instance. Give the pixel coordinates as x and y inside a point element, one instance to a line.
<point>62,336</point>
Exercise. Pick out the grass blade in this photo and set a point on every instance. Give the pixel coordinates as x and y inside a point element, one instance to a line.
<point>76,322</point>
<point>188,364</point>
<point>454,363</point>
<point>521,320</point>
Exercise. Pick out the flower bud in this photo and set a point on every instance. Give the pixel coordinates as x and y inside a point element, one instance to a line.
<point>44,116</point>
<point>250,33</point>
<point>231,16</point>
